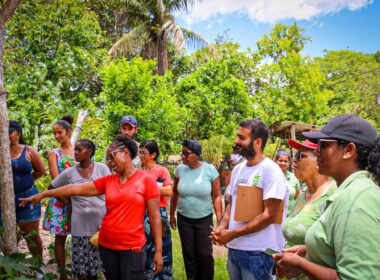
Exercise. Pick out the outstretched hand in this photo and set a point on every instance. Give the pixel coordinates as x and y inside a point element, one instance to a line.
<point>34,199</point>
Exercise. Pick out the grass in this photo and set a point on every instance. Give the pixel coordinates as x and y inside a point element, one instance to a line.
<point>179,268</point>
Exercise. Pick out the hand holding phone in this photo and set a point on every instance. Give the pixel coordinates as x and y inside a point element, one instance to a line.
<point>270,251</point>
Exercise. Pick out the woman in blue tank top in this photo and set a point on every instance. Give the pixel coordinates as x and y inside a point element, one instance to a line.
<point>27,166</point>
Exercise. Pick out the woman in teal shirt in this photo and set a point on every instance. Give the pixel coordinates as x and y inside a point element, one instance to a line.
<point>196,189</point>
<point>344,242</point>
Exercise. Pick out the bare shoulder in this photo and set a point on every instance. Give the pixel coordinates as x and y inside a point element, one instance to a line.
<point>31,151</point>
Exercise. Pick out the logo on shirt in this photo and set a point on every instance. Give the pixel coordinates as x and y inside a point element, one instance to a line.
<point>256,180</point>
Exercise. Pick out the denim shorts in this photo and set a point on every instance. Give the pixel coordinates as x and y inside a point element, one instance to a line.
<point>26,213</point>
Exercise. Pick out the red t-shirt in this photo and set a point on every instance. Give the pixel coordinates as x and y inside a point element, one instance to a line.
<point>161,172</point>
<point>122,227</point>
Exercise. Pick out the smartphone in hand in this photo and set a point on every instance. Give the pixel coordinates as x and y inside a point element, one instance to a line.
<point>270,251</point>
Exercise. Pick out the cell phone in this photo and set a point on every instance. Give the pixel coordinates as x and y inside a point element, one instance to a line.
<point>270,251</point>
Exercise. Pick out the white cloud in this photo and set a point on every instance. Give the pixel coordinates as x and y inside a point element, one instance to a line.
<point>270,11</point>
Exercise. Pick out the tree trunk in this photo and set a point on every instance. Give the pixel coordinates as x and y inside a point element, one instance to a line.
<point>8,212</point>
<point>82,115</point>
<point>162,55</point>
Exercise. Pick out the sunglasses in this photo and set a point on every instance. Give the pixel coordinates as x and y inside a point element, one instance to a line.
<point>324,143</point>
<point>186,154</point>
<point>111,155</point>
<point>300,155</point>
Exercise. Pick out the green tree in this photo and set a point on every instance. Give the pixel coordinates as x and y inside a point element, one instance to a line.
<point>289,87</point>
<point>132,88</point>
<point>354,79</point>
<point>216,94</point>
<point>156,28</point>
<point>53,51</point>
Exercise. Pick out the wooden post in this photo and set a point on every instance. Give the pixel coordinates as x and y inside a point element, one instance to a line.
<point>293,137</point>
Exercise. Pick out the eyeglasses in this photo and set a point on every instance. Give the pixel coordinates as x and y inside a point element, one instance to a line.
<point>111,155</point>
<point>300,155</point>
<point>186,154</point>
<point>143,154</point>
<point>324,143</point>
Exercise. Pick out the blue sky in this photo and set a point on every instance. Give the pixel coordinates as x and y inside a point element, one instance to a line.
<point>332,24</point>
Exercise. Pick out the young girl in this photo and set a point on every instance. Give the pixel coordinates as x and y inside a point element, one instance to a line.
<point>57,216</point>
<point>149,153</point>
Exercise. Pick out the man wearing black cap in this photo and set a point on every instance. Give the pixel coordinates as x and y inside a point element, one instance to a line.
<point>128,126</point>
<point>247,240</point>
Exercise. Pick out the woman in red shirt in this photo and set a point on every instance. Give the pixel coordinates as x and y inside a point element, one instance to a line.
<point>129,193</point>
<point>149,153</point>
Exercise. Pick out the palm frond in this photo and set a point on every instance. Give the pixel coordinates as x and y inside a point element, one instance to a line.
<point>135,4</point>
<point>180,5</point>
<point>174,33</point>
<point>193,39</point>
<point>160,10</point>
<point>130,43</point>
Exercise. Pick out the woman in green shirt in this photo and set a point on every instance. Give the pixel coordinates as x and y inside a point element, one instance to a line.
<point>344,242</point>
<point>312,201</point>
<point>283,160</point>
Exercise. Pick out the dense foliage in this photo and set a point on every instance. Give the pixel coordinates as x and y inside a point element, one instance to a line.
<point>56,62</point>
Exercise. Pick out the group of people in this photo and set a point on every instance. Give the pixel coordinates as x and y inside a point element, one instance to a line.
<point>324,230</point>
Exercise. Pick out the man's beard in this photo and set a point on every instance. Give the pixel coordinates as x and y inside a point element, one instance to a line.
<point>246,151</point>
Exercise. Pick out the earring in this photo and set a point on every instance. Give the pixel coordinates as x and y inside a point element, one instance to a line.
<point>345,157</point>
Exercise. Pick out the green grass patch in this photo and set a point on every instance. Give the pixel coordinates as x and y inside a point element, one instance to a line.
<point>178,265</point>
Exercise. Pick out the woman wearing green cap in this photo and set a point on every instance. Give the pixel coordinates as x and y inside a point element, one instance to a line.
<point>344,242</point>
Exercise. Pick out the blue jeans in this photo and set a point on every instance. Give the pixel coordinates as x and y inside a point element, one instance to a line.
<point>249,265</point>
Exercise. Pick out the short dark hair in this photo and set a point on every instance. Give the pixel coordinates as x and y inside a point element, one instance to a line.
<point>152,147</point>
<point>89,145</point>
<point>258,130</point>
<point>66,122</point>
<point>122,141</point>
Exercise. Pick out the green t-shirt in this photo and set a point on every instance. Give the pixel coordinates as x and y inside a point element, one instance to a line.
<point>303,216</point>
<point>347,235</point>
<point>293,186</point>
<point>194,188</point>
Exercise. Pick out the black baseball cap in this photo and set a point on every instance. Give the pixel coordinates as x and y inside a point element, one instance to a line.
<point>347,127</point>
<point>128,119</point>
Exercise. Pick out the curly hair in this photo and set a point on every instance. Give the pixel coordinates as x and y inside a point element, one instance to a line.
<point>124,141</point>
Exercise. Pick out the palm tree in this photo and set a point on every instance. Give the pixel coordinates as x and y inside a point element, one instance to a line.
<point>156,30</point>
